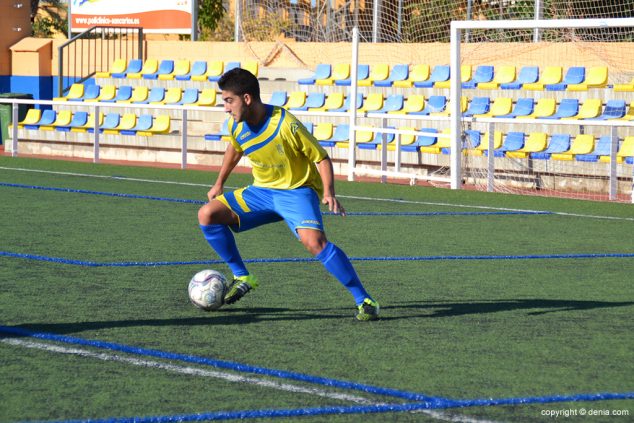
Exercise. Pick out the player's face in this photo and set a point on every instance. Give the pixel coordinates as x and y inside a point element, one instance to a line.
<point>236,105</point>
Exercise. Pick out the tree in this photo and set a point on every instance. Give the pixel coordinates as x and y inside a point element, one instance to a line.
<point>49,17</point>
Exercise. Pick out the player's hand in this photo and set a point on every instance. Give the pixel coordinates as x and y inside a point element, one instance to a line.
<point>334,205</point>
<point>215,191</point>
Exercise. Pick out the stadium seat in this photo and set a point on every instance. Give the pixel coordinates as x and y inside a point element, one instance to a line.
<point>214,72</point>
<point>413,104</point>
<point>126,122</point>
<point>231,65</point>
<point>405,139</point>
<point>626,151</point>
<point>181,68</point>
<point>465,76</point>
<point>107,93</point>
<point>360,137</point>
<point>296,99</point>
<point>590,109</point>
<point>372,103</point>
<point>435,104</point>
<point>139,95</point>
<point>143,123</point>
<point>198,69</point>
<point>160,125</point>
<point>190,97</point>
<point>363,72</point>
<point>377,141</point>
<point>424,143</point>
<point>207,97</point>
<point>419,73</point>
<point>393,103</point>
<point>478,105</point>
<point>150,67</point>
<point>484,144</point>
<point>523,107</point>
<point>526,75</point>
<point>340,71</point>
<point>399,72</point>
<point>346,104</point>
<point>378,72</point>
<point>89,124</point>
<point>582,144</point>
<point>574,75</point>
<point>614,109</point>
<point>91,92</point>
<point>568,107</point>
<point>164,70</point>
<point>278,98</point>
<point>333,101</point>
<point>438,74</point>
<point>551,75</point>
<point>219,136</point>
<point>512,141</point>
<point>322,71</point>
<point>482,74</point>
<point>543,108</point>
<point>596,77</point>
<point>559,143</point>
<point>62,118</point>
<point>503,75</point>
<point>172,96</point>
<point>501,106</point>
<point>323,131</point>
<point>629,86</point>
<point>341,133</point>
<point>464,104</point>
<point>32,118</point>
<point>78,120</point>
<point>601,148</point>
<point>535,142</point>
<point>471,140</point>
<point>47,118</point>
<point>251,66</point>
<point>313,100</point>
<point>156,96</point>
<point>124,92</point>
<point>110,121</point>
<point>118,66</point>
<point>629,114</point>
<point>134,66</point>
<point>75,92</point>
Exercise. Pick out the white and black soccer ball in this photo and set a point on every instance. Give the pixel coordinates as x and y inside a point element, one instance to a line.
<point>207,289</point>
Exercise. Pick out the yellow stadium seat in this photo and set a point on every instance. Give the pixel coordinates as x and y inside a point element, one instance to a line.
<point>627,148</point>
<point>629,115</point>
<point>378,72</point>
<point>139,94</point>
<point>339,71</point>
<point>551,75</point>
<point>63,118</point>
<point>127,122</point>
<point>118,66</point>
<point>465,75</point>
<point>359,137</point>
<point>535,142</point>
<point>214,70</point>
<point>484,144</point>
<point>590,108</point>
<point>160,125</point>
<point>597,77</point>
<point>543,108</point>
<point>418,73</point>
<point>75,92</point>
<point>323,131</point>
<point>629,86</point>
<point>252,66</point>
<point>582,144</point>
<point>207,97</point>
<point>150,66</point>
<point>500,106</point>
<point>90,123</point>
<point>333,101</point>
<point>295,99</point>
<point>372,103</point>
<point>172,95</point>
<point>414,103</point>
<point>32,118</point>
<point>181,67</point>
<point>107,92</point>
<point>503,75</point>
<point>406,139</point>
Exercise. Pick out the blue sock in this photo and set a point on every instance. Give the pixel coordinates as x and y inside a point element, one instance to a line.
<point>338,264</point>
<point>222,241</point>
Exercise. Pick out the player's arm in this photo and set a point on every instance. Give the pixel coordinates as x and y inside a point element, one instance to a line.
<point>328,179</point>
<point>229,162</point>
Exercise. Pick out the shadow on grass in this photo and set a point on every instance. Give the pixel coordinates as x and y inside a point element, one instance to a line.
<point>398,311</point>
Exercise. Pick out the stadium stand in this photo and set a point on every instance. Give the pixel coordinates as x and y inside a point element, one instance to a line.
<point>567,108</point>
<point>118,67</point>
<point>322,71</point>
<point>378,72</point>
<point>398,73</point>
<point>601,148</point>
<point>333,101</point>
<point>526,75</point>
<point>483,74</point>
<point>150,67</point>
<point>551,75</point>
<point>465,76</point>
<point>582,144</point>
<point>340,71</point>
<point>543,108</point>
<point>503,75</point>
<point>523,107</point>
<point>499,107</point>
<point>590,108</point>
<point>363,73</point>
<point>574,75</point>
<point>438,74</point>
<point>418,73</point>
<point>597,77</point>
<point>614,109</point>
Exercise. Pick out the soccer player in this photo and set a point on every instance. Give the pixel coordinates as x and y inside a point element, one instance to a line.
<point>290,171</point>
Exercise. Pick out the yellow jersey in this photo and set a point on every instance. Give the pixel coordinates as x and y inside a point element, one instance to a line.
<point>281,150</point>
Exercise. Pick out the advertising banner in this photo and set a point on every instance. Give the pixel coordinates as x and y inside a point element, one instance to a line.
<point>160,16</point>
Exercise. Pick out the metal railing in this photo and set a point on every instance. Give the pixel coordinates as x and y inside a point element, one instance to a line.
<point>93,51</point>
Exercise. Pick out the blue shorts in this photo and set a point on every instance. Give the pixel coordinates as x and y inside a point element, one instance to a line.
<point>256,206</point>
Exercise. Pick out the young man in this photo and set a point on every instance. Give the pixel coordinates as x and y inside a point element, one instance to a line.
<point>290,170</point>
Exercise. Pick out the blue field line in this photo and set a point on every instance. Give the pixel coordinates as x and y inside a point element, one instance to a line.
<point>222,364</point>
<point>201,202</point>
<point>87,263</point>
<point>422,402</point>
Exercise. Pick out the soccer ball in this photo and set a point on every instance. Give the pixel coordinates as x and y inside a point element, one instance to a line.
<point>207,289</point>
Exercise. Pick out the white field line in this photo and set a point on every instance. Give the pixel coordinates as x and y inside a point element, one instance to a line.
<point>193,371</point>
<point>388,200</point>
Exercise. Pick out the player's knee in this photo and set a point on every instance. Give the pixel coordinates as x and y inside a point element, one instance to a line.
<point>315,245</point>
<point>205,215</point>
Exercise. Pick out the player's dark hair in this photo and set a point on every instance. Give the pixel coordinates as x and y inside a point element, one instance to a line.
<point>240,81</point>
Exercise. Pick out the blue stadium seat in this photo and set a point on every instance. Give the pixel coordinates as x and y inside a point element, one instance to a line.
<point>423,141</point>
<point>199,68</point>
<point>438,74</point>
<point>91,92</point>
<point>79,119</point>
<point>309,126</point>
<point>322,71</point>
<point>231,65</point>
<point>217,136</point>
<point>568,107</point>
<point>614,109</point>
<point>190,96</point>
<point>47,118</point>
<point>313,100</point>
<point>377,140</point>
<point>157,94</point>
<point>124,93</point>
<point>346,104</point>
<point>526,75</point>
<point>399,72</point>
<point>143,123</point>
<point>513,141</point>
<point>134,66</point>
<point>472,139</point>
<point>363,72</point>
<point>601,148</point>
<point>110,121</point>
<point>477,106</point>
<point>483,73</point>
<point>574,75</point>
<point>340,134</point>
<point>165,67</point>
<point>393,103</point>
<point>278,98</point>
<point>559,143</point>
<point>523,107</point>
<point>435,104</point>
